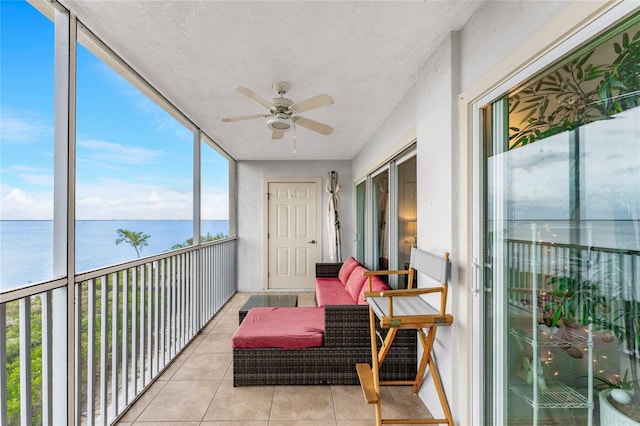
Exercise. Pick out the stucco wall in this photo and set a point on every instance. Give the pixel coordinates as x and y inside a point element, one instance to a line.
<point>251,175</point>
<point>438,79</point>
<point>396,132</point>
<point>497,29</point>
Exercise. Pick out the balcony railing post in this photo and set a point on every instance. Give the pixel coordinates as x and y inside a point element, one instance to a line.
<point>3,365</point>
<point>156,325</point>
<point>47,359</point>
<point>91,357</point>
<point>134,332</point>
<point>104,291</point>
<point>125,337</point>
<point>142,331</point>
<point>115,290</point>
<point>25,361</point>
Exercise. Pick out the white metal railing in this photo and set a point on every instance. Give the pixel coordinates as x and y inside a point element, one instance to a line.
<point>131,320</point>
<point>604,265</point>
<point>616,272</point>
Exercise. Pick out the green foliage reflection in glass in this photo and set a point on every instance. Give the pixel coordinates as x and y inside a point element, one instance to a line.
<point>594,84</point>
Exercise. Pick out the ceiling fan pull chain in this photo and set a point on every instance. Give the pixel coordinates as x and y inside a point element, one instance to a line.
<point>294,137</point>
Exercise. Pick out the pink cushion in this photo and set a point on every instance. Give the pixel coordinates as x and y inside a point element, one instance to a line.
<point>346,269</point>
<point>376,285</point>
<point>330,291</point>
<point>355,282</point>
<point>287,328</point>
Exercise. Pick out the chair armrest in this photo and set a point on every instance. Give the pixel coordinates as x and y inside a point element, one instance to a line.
<point>403,293</point>
<point>385,272</point>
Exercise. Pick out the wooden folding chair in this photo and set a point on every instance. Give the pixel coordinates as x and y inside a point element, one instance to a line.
<point>405,309</point>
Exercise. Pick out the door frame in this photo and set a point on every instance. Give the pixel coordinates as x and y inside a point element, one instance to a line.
<point>265,216</point>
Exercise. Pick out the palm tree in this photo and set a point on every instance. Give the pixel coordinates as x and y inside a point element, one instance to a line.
<point>137,240</point>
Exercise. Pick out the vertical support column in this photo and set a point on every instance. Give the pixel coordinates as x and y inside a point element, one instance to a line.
<point>197,273</point>
<point>63,313</point>
<point>233,190</point>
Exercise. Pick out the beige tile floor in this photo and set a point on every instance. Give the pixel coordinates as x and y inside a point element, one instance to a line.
<point>197,389</point>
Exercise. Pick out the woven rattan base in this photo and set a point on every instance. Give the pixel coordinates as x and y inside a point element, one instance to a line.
<point>315,366</point>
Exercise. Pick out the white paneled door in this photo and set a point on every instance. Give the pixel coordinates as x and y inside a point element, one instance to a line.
<point>293,234</point>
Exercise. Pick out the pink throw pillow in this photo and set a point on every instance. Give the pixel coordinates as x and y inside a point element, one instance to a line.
<point>355,282</point>
<point>346,269</point>
<point>376,285</point>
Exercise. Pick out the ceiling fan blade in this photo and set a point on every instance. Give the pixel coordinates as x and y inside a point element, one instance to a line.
<point>323,129</point>
<point>243,117</point>
<point>250,93</point>
<point>312,103</point>
<point>277,134</point>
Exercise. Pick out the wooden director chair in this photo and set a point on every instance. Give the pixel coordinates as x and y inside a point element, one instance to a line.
<point>405,309</point>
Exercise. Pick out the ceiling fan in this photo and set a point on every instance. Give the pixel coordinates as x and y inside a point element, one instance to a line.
<point>281,116</point>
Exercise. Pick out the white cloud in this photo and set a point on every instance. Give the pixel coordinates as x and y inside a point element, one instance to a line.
<point>110,152</point>
<point>120,199</point>
<point>18,204</point>
<point>33,175</point>
<point>17,126</point>
<point>115,199</point>
<point>215,203</point>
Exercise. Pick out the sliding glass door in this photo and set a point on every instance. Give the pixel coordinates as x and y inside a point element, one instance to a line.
<point>380,192</point>
<point>407,217</point>
<point>562,238</point>
<point>386,215</point>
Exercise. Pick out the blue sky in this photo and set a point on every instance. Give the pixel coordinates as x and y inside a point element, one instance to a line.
<point>134,160</point>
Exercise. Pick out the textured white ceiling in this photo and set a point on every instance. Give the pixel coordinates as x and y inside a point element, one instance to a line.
<point>364,54</point>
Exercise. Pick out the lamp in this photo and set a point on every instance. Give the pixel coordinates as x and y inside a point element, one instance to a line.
<point>412,230</point>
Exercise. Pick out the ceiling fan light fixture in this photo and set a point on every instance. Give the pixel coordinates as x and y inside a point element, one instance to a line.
<point>279,122</point>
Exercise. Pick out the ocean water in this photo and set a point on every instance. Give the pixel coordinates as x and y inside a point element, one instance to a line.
<point>26,247</point>
<point>619,234</point>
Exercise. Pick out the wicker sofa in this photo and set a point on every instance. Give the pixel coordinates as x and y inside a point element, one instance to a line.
<point>345,343</point>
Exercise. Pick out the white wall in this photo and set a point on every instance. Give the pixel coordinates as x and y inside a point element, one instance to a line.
<point>397,132</point>
<point>251,175</point>
<point>438,80</point>
<point>498,29</point>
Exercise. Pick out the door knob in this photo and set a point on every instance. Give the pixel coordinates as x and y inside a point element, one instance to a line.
<point>312,242</point>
